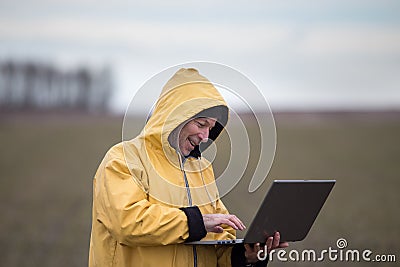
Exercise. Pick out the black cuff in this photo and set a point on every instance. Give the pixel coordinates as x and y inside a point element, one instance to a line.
<point>238,259</point>
<point>197,230</point>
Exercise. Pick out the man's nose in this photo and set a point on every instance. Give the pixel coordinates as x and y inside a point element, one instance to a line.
<point>204,134</point>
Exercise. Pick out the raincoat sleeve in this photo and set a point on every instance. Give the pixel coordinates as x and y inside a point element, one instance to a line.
<point>122,207</point>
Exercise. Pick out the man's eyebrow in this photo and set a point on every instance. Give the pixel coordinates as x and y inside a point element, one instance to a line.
<point>204,120</point>
<point>209,122</point>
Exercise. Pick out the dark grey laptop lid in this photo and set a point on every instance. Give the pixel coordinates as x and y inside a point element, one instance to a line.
<point>290,207</point>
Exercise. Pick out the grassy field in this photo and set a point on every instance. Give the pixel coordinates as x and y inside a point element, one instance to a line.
<point>47,163</point>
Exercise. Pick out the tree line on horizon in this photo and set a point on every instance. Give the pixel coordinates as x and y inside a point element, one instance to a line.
<point>43,86</point>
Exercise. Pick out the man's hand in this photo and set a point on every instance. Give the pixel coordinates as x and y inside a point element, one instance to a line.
<point>271,243</point>
<point>213,222</point>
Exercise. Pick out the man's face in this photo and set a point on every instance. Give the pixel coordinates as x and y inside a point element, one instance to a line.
<point>193,133</point>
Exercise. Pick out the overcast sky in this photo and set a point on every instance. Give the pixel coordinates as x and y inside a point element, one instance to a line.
<point>301,54</point>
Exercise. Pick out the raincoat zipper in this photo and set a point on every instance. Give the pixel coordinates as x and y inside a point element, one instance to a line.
<point>187,185</point>
<point>190,202</point>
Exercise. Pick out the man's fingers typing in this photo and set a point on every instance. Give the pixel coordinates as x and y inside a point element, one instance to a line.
<point>234,222</point>
<point>211,221</point>
<point>238,222</point>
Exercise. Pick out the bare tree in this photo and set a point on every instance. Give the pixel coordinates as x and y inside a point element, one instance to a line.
<point>34,85</point>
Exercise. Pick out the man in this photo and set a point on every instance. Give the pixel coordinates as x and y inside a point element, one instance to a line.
<point>155,192</point>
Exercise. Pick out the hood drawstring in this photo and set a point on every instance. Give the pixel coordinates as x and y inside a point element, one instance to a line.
<point>205,186</point>
<point>182,167</point>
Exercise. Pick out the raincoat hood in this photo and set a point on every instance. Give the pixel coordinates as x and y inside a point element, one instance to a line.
<point>185,96</point>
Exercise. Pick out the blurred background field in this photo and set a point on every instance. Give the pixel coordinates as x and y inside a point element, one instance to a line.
<point>48,160</point>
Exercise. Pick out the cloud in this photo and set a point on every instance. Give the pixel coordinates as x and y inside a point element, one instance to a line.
<point>141,33</point>
<point>347,40</point>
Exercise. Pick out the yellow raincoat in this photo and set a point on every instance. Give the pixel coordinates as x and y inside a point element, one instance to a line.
<point>141,184</point>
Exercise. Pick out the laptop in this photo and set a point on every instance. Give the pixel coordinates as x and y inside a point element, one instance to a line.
<point>290,207</point>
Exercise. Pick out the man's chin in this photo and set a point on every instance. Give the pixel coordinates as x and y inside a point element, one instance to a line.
<point>187,152</point>
<point>184,153</point>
